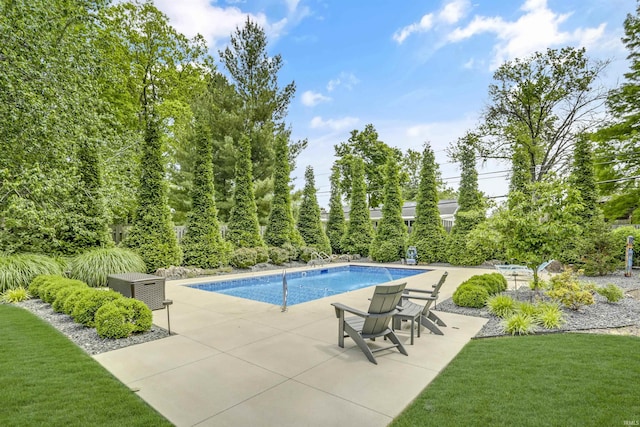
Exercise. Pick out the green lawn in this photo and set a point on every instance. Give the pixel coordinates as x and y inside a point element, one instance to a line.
<point>45,379</point>
<point>545,380</point>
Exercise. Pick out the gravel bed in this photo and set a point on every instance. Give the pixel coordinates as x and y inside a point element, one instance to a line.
<point>87,338</point>
<point>601,315</point>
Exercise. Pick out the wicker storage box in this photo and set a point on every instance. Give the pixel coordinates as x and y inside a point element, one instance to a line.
<point>144,287</point>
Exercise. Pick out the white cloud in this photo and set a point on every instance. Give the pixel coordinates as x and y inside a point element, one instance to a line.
<point>536,29</point>
<point>333,124</point>
<point>469,64</point>
<point>454,11</point>
<point>216,23</point>
<point>425,24</point>
<point>347,80</point>
<point>449,14</point>
<point>311,98</point>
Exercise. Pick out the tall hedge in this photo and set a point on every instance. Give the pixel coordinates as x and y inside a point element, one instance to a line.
<point>152,234</point>
<point>583,178</point>
<point>243,229</point>
<point>90,228</point>
<point>336,224</point>
<point>471,209</point>
<point>359,233</point>
<point>203,245</point>
<point>309,224</point>
<point>428,234</point>
<point>390,240</point>
<point>281,228</point>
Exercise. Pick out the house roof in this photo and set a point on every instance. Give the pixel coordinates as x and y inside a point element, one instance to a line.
<point>447,209</point>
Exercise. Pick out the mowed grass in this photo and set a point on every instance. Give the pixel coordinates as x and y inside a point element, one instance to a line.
<point>45,379</point>
<point>545,380</point>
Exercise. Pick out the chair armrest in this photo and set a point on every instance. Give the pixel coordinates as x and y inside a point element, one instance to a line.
<point>420,291</point>
<point>341,307</point>
<point>430,298</point>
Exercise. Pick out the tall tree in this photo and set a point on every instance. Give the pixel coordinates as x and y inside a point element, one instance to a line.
<point>583,178</point>
<point>93,227</point>
<point>359,233</point>
<point>520,171</point>
<point>617,152</point>
<point>243,229</point>
<point>411,166</point>
<point>428,234</point>
<point>542,102</point>
<point>152,234</point>
<point>147,61</point>
<point>203,245</point>
<point>309,224</point>
<point>281,228</point>
<point>390,241</point>
<point>374,153</point>
<point>471,206</point>
<point>48,110</point>
<point>336,225</point>
<point>263,103</point>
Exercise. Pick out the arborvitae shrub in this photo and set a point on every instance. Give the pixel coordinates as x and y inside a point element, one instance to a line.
<point>336,224</point>
<point>152,235</point>
<point>428,234</point>
<point>309,224</point>
<point>244,257</point>
<point>358,236</point>
<point>389,243</point>
<point>278,256</point>
<point>85,309</point>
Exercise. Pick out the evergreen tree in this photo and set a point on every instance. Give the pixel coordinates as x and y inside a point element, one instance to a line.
<point>583,178</point>
<point>203,245</point>
<point>428,234</point>
<point>336,225</point>
<point>309,224</point>
<point>617,157</point>
<point>93,227</point>
<point>280,225</point>
<point>390,241</point>
<point>152,234</point>
<point>243,227</point>
<point>359,230</point>
<point>471,209</point>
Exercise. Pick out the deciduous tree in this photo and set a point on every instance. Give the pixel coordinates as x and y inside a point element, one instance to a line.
<point>542,103</point>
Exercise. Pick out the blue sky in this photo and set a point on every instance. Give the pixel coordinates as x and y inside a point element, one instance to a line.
<point>417,70</point>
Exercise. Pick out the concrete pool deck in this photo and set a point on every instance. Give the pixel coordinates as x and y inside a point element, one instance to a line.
<point>236,362</point>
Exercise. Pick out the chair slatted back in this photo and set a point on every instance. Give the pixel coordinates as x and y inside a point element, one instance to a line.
<point>436,289</point>
<point>385,300</point>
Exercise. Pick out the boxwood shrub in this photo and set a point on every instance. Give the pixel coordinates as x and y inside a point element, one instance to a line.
<point>471,295</point>
<point>73,298</point>
<point>111,321</point>
<point>262,254</point>
<point>85,309</point>
<point>278,256</point>
<point>63,293</point>
<point>475,291</point>
<point>244,258</point>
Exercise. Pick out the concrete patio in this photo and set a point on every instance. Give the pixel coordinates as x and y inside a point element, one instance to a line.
<point>236,362</point>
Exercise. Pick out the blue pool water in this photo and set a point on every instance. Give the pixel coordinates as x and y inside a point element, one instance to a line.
<point>308,285</point>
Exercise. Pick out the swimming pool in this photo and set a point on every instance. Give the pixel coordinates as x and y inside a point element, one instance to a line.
<point>308,285</point>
